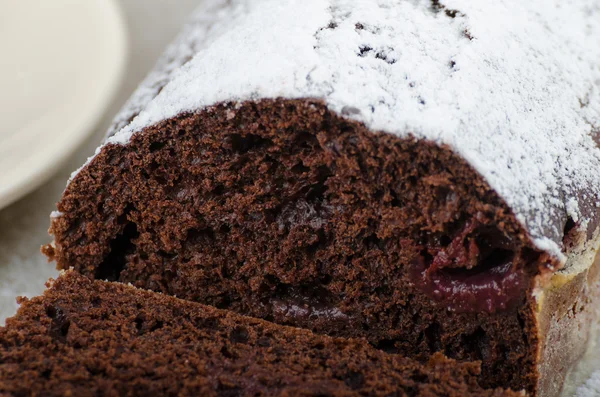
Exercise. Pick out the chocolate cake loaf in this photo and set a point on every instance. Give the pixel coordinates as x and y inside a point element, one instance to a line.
<point>89,338</point>
<point>423,174</point>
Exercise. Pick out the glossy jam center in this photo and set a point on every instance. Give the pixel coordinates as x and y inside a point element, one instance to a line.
<point>474,272</point>
<point>488,290</point>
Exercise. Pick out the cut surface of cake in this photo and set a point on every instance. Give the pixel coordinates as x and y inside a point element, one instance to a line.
<point>409,172</point>
<point>89,338</point>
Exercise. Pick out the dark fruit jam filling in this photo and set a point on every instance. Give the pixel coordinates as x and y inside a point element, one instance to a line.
<point>474,290</point>
<point>475,272</point>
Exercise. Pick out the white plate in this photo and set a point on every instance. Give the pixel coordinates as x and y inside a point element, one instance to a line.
<point>61,62</point>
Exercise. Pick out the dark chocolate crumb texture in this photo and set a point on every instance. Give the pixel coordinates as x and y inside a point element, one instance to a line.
<point>90,338</point>
<point>388,172</point>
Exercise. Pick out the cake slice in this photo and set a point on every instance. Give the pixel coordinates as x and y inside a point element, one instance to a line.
<point>410,172</point>
<point>97,338</point>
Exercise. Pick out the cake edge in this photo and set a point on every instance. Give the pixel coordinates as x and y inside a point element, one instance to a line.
<point>567,312</point>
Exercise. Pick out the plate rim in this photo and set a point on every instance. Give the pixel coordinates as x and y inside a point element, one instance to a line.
<point>35,176</point>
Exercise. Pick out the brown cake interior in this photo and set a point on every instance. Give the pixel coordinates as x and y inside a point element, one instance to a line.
<point>282,210</point>
<point>87,338</point>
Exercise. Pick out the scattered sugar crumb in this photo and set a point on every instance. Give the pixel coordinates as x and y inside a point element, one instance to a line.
<point>573,209</point>
<point>56,214</point>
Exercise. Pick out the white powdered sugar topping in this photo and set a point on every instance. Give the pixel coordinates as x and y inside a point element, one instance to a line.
<point>512,86</point>
<point>193,37</point>
<point>591,388</point>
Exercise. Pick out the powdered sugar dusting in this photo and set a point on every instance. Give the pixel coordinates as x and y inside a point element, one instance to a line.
<point>591,387</point>
<point>194,36</point>
<point>513,86</point>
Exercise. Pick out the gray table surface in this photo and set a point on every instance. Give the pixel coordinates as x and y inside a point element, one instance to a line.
<point>152,24</point>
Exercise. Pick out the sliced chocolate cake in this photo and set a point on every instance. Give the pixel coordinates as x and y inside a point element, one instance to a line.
<point>423,174</point>
<point>90,338</point>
